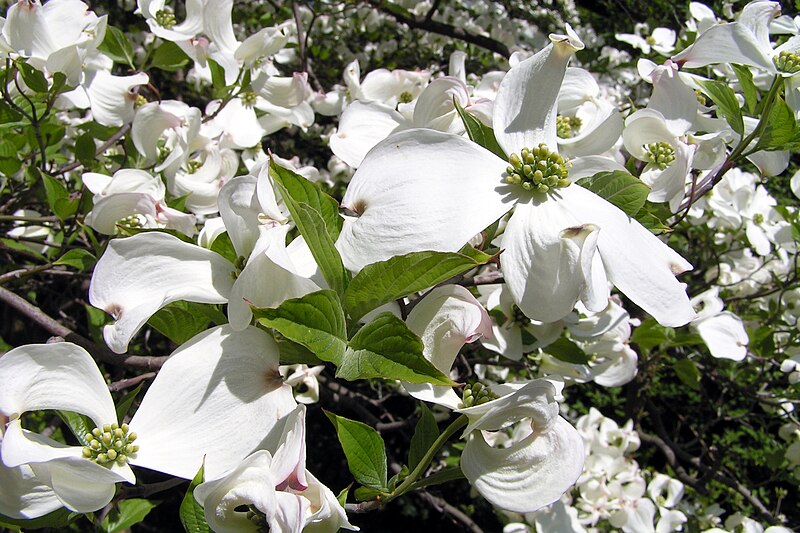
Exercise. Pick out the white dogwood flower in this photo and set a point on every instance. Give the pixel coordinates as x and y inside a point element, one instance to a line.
<point>425,190</point>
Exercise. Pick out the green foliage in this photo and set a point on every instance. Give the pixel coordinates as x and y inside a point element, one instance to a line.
<point>565,350</point>
<point>168,56</point>
<point>386,281</point>
<point>180,321</point>
<point>425,434</point>
<point>192,515</point>
<point>727,105</point>
<point>126,514</point>
<point>364,449</point>
<point>117,46</point>
<point>619,188</point>
<point>77,258</point>
<point>479,132</point>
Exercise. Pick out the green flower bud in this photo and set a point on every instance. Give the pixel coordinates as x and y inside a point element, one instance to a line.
<point>537,170</point>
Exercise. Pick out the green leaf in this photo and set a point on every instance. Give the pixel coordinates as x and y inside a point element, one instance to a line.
<point>33,78</point>
<point>479,132</point>
<point>385,281</point>
<point>58,198</point>
<point>624,190</point>
<point>57,519</point>
<point>450,473</point>
<point>292,353</point>
<point>425,434</point>
<point>748,87</point>
<point>316,321</point>
<point>217,76</point>
<point>652,222</point>
<point>127,401</point>
<point>364,449</point>
<point>117,46</point>
<point>649,334</point>
<point>80,425</point>
<point>78,258</point>
<point>192,515</point>
<point>169,57</point>
<point>342,496</point>
<point>130,512</point>
<point>780,132</point>
<point>566,350</point>
<point>224,247</point>
<point>312,227</point>
<point>727,104</point>
<point>300,190</point>
<point>386,348</point>
<point>180,321</point>
<point>363,494</point>
<point>85,148</point>
<point>688,373</point>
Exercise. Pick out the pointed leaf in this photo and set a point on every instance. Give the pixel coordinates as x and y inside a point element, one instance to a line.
<point>316,321</point>
<point>385,281</point>
<point>312,227</point>
<point>386,348</point>
<point>180,321</point>
<point>130,512</point>
<point>565,350</point>
<point>781,131</point>
<point>80,425</point>
<point>364,449</point>
<point>623,190</point>
<point>33,78</point>
<point>127,401</point>
<point>688,373</point>
<point>192,515</point>
<point>444,475</point>
<point>425,434</point>
<point>748,87</point>
<point>77,258</point>
<point>479,132</point>
<point>117,46</point>
<point>300,190</point>
<point>727,105</point>
<point>169,57</point>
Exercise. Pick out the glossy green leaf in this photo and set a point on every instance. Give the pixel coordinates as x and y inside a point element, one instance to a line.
<point>124,405</point>
<point>649,334</point>
<point>117,46</point>
<point>688,373</point>
<point>77,258</point>
<point>623,190</point>
<point>386,281</point>
<point>85,148</point>
<point>748,87</point>
<point>224,247</point>
<point>386,348</point>
<point>32,77</point>
<point>566,350</point>
<point>450,473</point>
<point>57,519</point>
<point>58,198</point>
<point>364,449</point>
<point>315,320</point>
<point>180,321</point>
<point>479,132</point>
<point>780,131</point>
<point>128,513</point>
<point>312,227</point>
<point>80,425</point>
<point>169,57</point>
<point>425,434</point>
<point>727,104</point>
<point>192,515</point>
<point>300,190</point>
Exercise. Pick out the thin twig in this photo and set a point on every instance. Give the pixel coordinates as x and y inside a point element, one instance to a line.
<point>130,382</point>
<point>102,148</point>
<point>457,514</point>
<point>41,319</point>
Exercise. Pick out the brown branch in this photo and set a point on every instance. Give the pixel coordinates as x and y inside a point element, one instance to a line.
<point>101,353</point>
<point>102,148</point>
<point>421,22</point>
<point>457,514</point>
<point>130,382</point>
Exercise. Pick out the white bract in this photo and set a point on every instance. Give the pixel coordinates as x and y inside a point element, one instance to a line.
<point>186,419</point>
<point>425,190</point>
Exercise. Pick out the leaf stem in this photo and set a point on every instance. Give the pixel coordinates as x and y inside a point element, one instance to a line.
<point>457,424</point>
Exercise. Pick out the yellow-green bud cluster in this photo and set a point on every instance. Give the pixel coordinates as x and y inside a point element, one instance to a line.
<point>758,218</point>
<point>193,165</point>
<point>111,444</point>
<point>132,221</point>
<point>661,154</point>
<point>567,127</point>
<point>248,98</point>
<point>538,170</point>
<point>140,101</point>
<point>405,97</point>
<point>788,62</point>
<point>476,394</point>
<point>258,518</point>
<point>165,18</point>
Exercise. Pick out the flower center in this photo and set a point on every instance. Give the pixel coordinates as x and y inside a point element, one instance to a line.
<point>405,97</point>
<point>258,518</point>
<point>193,165</point>
<point>248,99</point>
<point>140,101</point>
<point>758,218</point>
<point>476,394</point>
<point>111,444</point>
<point>788,62</point>
<point>538,169</point>
<point>165,18</point>
<point>519,318</point>
<point>567,127</point>
<point>661,154</point>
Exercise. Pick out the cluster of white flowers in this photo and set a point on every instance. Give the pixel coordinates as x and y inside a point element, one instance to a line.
<point>510,162</point>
